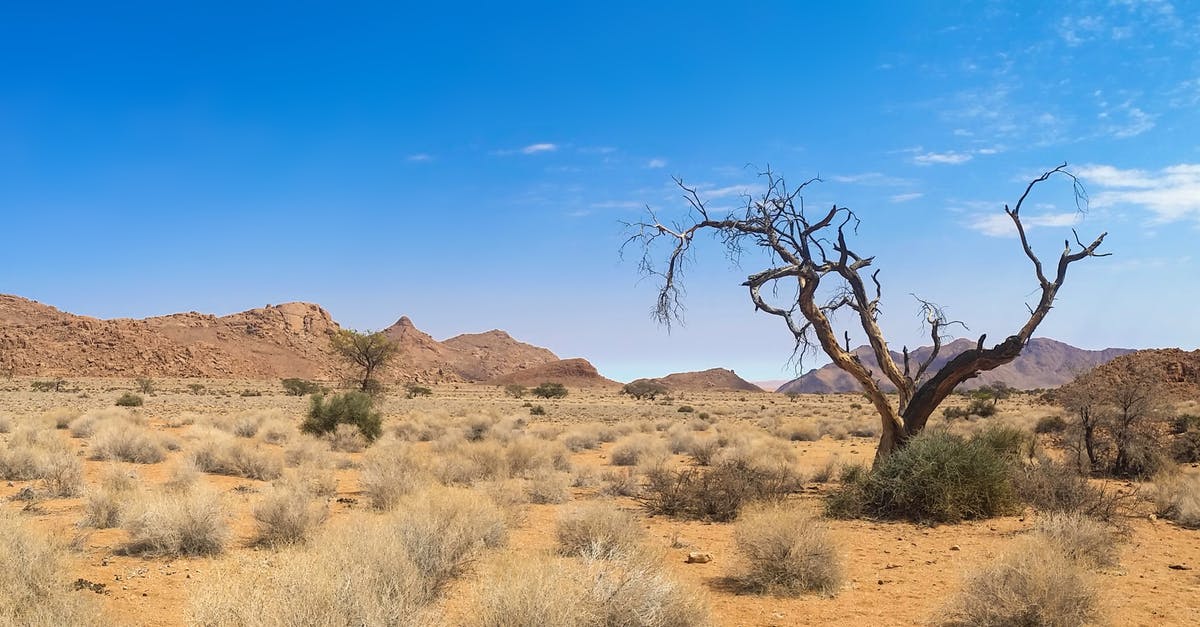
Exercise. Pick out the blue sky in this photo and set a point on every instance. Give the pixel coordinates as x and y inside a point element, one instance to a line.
<point>469,166</point>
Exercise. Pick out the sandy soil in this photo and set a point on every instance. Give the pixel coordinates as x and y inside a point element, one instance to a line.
<point>897,573</point>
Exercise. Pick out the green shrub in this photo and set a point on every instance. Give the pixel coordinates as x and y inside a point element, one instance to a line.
<point>537,410</point>
<point>550,390</point>
<point>938,477</point>
<point>145,385</point>
<point>1050,424</point>
<point>686,409</point>
<point>1184,423</point>
<point>717,493</point>
<point>355,408</point>
<point>129,399</point>
<point>412,390</point>
<point>195,388</point>
<point>644,388</point>
<point>1186,448</point>
<point>299,387</point>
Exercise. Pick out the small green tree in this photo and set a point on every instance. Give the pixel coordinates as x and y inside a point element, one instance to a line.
<point>299,387</point>
<point>354,408</point>
<point>413,390</point>
<point>145,385</point>
<point>129,399</point>
<point>644,388</point>
<point>550,390</point>
<point>369,351</point>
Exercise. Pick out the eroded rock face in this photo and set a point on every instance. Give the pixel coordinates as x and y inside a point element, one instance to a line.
<point>276,341</point>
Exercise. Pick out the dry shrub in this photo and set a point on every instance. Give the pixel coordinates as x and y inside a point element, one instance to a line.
<point>102,507</point>
<point>288,515</point>
<point>356,573</point>
<point>306,450</point>
<point>222,454</point>
<point>20,463</point>
<point>717,493</point>
<point>581,438</point>
<point>1177,498</point>
<point>598,529</point>
<point>635,450</point>
<point>466,464</point>
<point>183,476</point>
<point>180,420</point>
<point>276,431</point>
<point>60,417</point>
<point>1052,487</point>
<point>1034,584</point>
<point>786,551</point>
<point>316,480</point>
<point>86,425</point>
<point>61,473</point>
<point>804,431</point>
<point>442,528</point>
<point>6,423</point>
<point>704,450</point>
<point>347,438</point>
<point>530,457</point>
<point>246,425</point>
<point>33,582</point>
<point>620,483</point>
<point>757,451</point>
<point>122,441</point>
<point>549,486</point>
<point>187,523</point>
<point>680,439</point>
<point>631,590</point>
<point>1083,539</point>
<point>510,495</point>
<point>390,471</point>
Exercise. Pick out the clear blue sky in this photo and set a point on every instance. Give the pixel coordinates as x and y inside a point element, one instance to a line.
<point>469,166</point>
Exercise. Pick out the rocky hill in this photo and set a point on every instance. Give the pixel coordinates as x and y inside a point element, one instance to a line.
<point>1177,370</point>
<point>573,373</point>
<point>704,380</point>
<point>288,340</point>
<point>1044,363</point>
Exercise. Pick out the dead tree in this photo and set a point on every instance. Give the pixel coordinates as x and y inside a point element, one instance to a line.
<point>811,256</point>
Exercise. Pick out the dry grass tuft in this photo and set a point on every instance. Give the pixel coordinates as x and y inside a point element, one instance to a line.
<point>1085,540</point>
<point>222,454</point>
<point>638,449</point>
<point>598,529</point>
<point>123,441</point>
<point>33,582</point>
<point>288,515</point>
<point>631,590</point>
<point>786,551</point>
<point>102,507</point>
<point>1177,498</point>
<point>188,523</point>
<point>1035,584</point>
<point>391,471</point>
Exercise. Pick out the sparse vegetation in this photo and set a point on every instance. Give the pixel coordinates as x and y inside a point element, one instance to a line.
<point>938,477</point>
<point>550,390</point>
<point>786,551</point>
<point>129,399</point>
<point>353,408</point>
<point>300,387</point>
<point>644,389</point>
<point>177,524</point>
<point>717,493</point>
<point>598,529</point>
<point>33,582</point>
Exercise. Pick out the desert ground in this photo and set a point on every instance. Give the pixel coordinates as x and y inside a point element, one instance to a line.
<point>237,444</point>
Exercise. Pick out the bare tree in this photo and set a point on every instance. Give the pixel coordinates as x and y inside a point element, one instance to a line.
<point>369,351</point>
<point>807,250</point>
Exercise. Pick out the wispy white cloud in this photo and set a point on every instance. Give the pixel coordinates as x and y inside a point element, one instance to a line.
<point>420,157</point>
<point>998,224</point>
<point>656,163</point>
<point>1171,194</point>
<point>906,197</point>
<point>533,149</point>
<point>874,179</point>
<point>942,158</point>
<point>617,204</point>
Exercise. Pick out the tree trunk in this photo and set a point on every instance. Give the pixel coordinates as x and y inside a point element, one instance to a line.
<point>891,440</point>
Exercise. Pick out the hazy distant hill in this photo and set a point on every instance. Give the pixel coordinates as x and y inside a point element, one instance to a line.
<point>288,340</point>
<point>1044,363</point>
<point>704,380</point>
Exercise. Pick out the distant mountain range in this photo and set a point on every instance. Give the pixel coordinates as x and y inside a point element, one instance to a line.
<point>1044,363</point>
<point>705,380</point>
